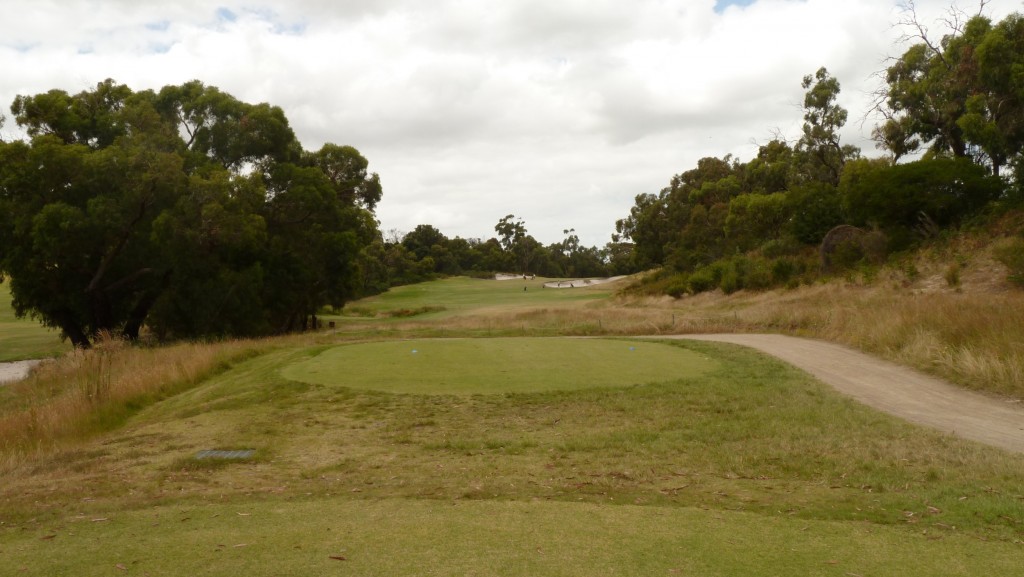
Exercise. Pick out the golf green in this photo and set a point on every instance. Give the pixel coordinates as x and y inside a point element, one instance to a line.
<point>499,365</point>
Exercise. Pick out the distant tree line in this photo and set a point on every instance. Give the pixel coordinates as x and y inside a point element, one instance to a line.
<point>425,253</point>
<point>955,105</point>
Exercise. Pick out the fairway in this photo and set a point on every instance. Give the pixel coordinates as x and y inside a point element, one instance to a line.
<point>461,295</point>
<point>24,338</point>
<point>389,537</point>
<point>499,365</point>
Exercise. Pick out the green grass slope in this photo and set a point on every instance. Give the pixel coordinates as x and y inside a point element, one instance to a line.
<point>460,295</point>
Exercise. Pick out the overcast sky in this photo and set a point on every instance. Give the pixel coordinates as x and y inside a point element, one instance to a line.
<point>557,111</point>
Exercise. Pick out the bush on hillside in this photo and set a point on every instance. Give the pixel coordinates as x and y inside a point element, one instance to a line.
<point>1011,254</point>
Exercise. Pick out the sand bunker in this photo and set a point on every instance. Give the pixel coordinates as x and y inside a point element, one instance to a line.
<point>568,283</point>
<point>581,282</point>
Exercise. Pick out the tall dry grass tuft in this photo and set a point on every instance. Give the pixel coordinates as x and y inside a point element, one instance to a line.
<point>90,391</point>
<point>973,339</point>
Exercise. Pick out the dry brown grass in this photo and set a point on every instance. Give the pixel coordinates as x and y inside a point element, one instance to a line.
<point>90,391</point>
<point>976,340</point>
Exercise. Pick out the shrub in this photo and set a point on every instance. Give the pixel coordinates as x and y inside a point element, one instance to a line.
<point>783,270</point>
<point>779,247</point>
<point>705,278</point>
<point>678,286</point>
<point>1011,254</point>
<point>946,189</point>
<point>758,275</point>
<point>847,254</point>
<point>731,281</point>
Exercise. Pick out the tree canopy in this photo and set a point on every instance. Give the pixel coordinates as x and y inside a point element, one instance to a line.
<point>184,210</point>
<point>732,224</point>
<point>961,95</point>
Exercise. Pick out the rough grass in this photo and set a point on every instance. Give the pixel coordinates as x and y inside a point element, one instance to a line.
<point>86,392</point>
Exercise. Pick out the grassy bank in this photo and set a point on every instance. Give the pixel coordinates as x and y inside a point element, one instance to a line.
<point>82,393</point>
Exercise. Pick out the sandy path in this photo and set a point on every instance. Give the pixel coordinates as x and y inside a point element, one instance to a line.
<point>16,370</point>
<point>895,389</point>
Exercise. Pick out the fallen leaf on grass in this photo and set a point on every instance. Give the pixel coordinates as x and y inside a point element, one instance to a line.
<point>48,537</point>
<point>338,558</point>
<point>121,567</point>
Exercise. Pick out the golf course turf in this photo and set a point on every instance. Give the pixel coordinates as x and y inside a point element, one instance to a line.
<point>498,365</point>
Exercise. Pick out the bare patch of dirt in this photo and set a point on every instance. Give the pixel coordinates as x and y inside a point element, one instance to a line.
<point>15,371</point>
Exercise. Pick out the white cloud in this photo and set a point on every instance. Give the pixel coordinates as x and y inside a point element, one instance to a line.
<point>559,112</point>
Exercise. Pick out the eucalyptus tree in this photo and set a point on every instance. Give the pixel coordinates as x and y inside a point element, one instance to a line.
<point>79,201</point>
<point>994,115</point>
<point>960,94</point>
<point>822,152</point>
<point>516,242</point>
<point>185,210</point>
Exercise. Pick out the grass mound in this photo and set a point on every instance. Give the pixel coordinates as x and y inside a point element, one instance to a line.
<point>500,365</point>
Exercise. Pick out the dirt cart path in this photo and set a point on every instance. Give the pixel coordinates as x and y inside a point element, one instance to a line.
<point>16,370</point>
<point>895,389</point>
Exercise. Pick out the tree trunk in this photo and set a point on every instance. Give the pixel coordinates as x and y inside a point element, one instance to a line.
<point>138,315</point>
<point>102,312</point>
<point>72,330</point>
